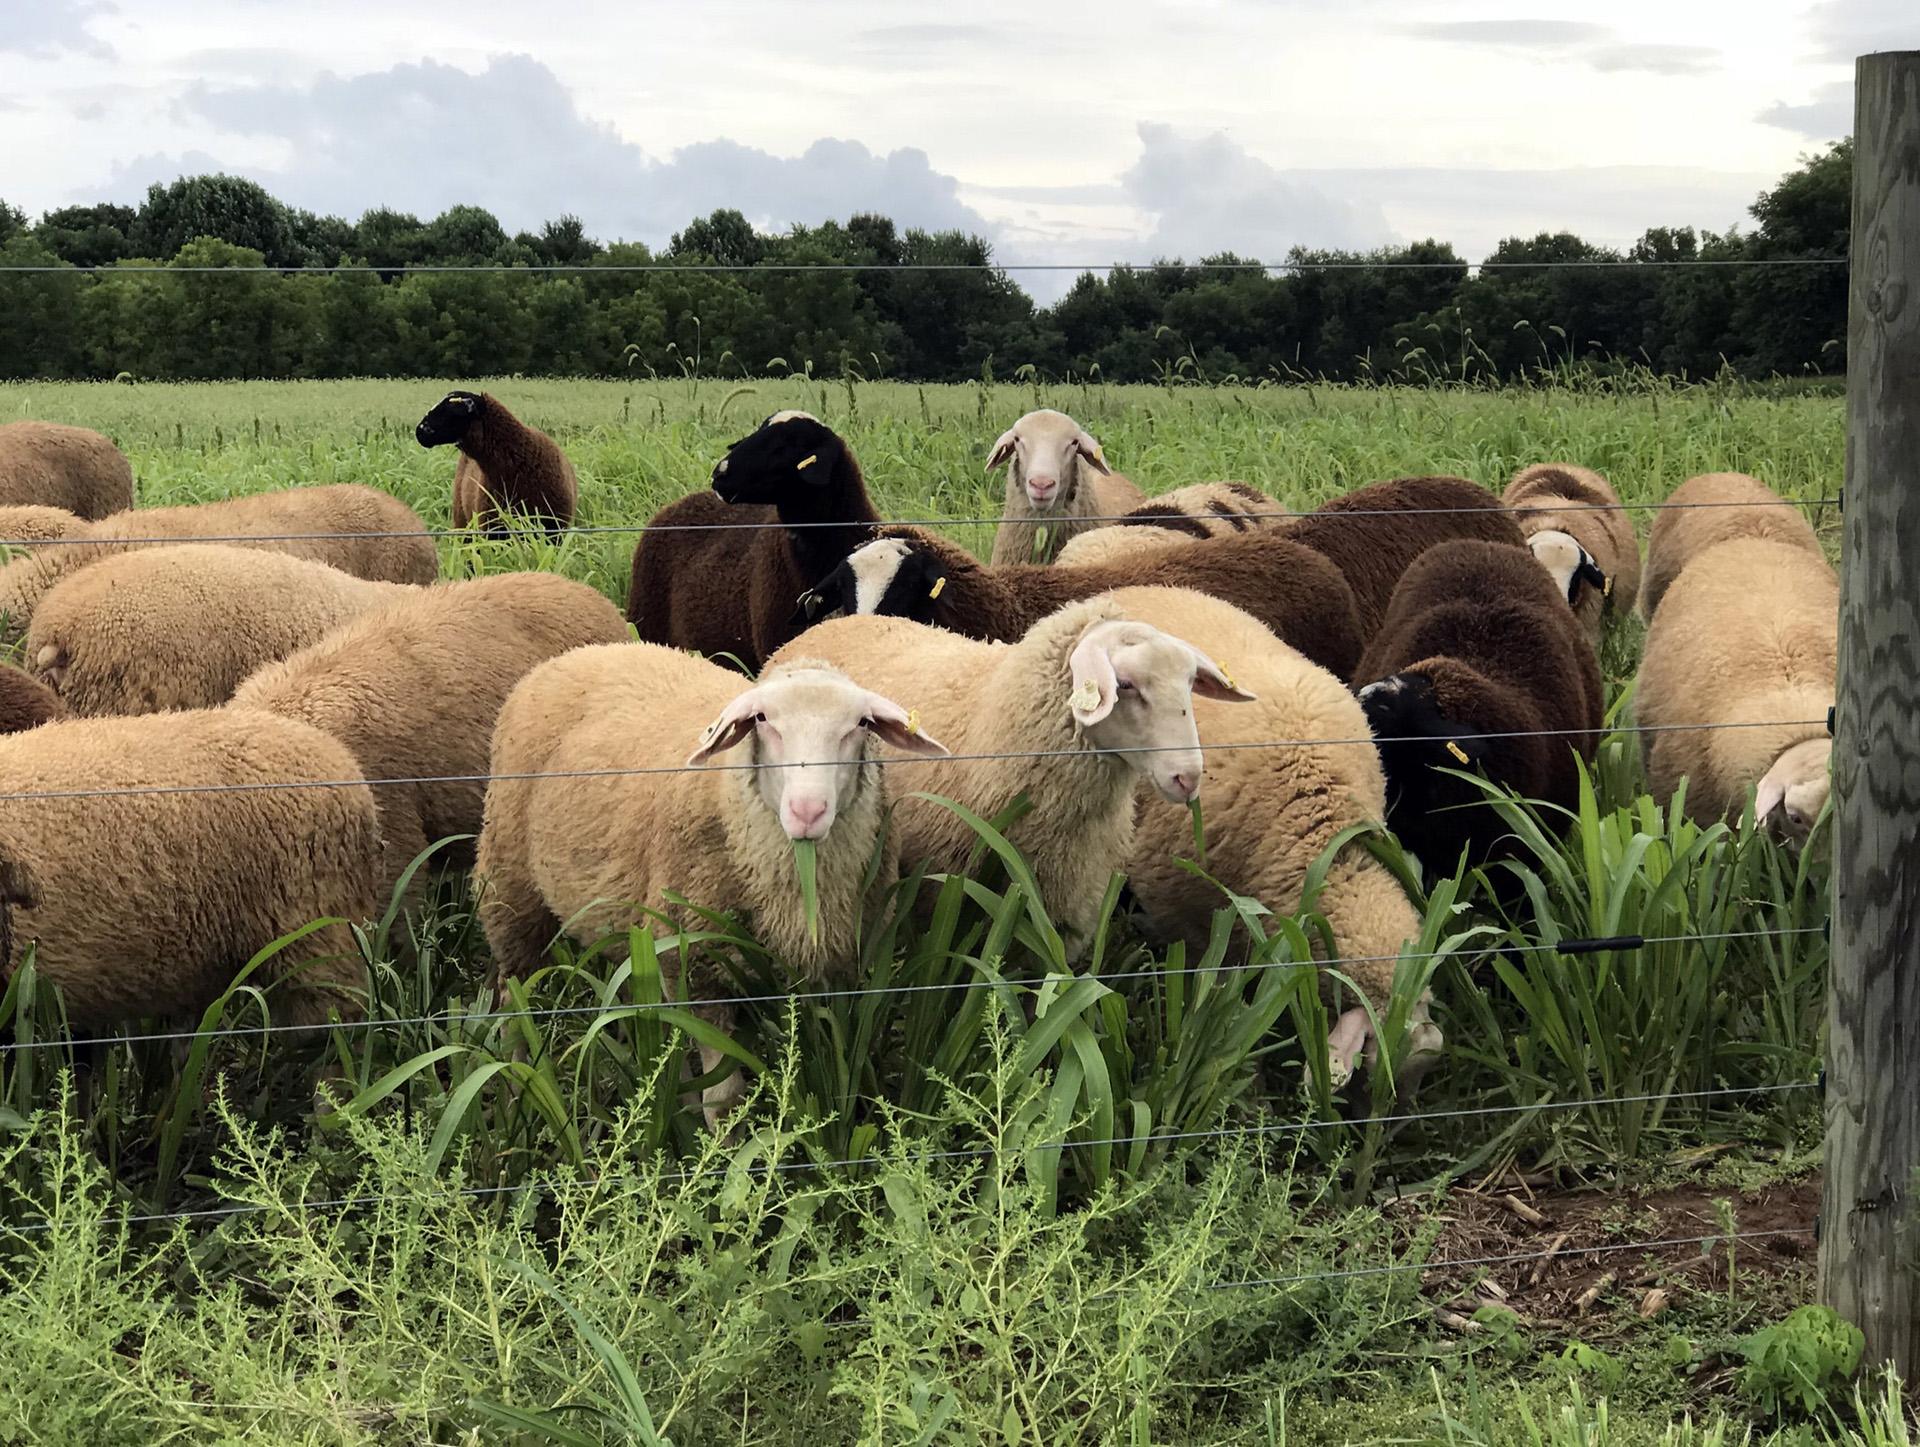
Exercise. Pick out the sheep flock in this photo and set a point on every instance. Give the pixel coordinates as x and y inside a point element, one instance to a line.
<point>254,714</point>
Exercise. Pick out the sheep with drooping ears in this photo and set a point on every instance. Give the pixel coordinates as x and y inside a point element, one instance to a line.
<point>788,504</point>
<point>601,851</point>
<point>1058,481</point>
<point>1713,508</point>
<point>1578,531</point>
<point>72,468</point>
<point>506,467</point>
<point>1202,510</point>
<point>1087,703</point>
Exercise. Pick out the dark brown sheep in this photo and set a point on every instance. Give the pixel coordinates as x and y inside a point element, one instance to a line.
<point>1477,642</point>
<point>1372,546</point>
<point>705,579</point>
<point>505,466</point>
<point>907,573</point>
<point>26,702</point>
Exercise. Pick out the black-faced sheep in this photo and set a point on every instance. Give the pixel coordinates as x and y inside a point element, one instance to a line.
<point>1057,479</point>
<point>25,702</point>
<point>1477,642</point>
<point>1747,635</point>
<point>1717,507</point>
<point>599,852</point>
<point>505,466</point>
<point>1581,535</point>
<point>50,465</point>
<point>1203,510</point>
<point>725,587</point>
<point>906,573</point>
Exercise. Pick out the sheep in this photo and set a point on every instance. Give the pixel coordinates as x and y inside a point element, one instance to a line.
<point>413,689</point>
<point>148,903</point>
<point>181,627</point>
<point>50,465</point>
<point>1365,537</point>
<point>1748,635</point>
<point>505,466</point>
<point>1058,479</point>
<point>725,587</point>
<point>1581,535</point>
<point>613,845</point>
<point>1105,700</point>
<point>1273,811</point>
<point>356,529</point>
<point>1716,507</point>
<point>1203,510</point>
<point>25,702</point>
<point>23,526</point>
<point>907,573</point>
<point>1478,641</point>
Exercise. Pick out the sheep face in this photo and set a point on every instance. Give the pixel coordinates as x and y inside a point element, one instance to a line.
<point>1415,738</point>
<point>887,577</point>
<point>1046,449</point>
<point>1569,565</point>
<point>810,727</point>
<point>448,421</point>
<point>1797,786</point>
<point>789,451</point>
<point>1133,690</point>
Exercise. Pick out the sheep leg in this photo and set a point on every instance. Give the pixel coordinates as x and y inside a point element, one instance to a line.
<point>518,925</point>
<point>1351,1034</point>
<point>723,1097</point>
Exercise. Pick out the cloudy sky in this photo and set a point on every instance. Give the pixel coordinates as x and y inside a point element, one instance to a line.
<point>1064,131</point>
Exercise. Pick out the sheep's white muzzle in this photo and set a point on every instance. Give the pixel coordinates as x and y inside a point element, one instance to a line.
<point>1041,491</point>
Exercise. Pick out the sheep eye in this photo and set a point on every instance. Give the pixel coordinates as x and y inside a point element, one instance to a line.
<point>759,718</point>
<point>1126,686</point>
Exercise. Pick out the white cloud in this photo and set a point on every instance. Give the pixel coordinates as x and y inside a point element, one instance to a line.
<point>48,27</point>
<point>1826,117</point>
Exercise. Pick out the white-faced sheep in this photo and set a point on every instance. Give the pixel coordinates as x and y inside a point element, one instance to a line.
<point>1106,700</point>
<point>25,702</point>
<point>181,627</point>
<point>1748,636</point>
<point>600,851</point>
<point>1581,535</point>
<point>150,902</point>
<point>1057,480</point>
<point>1480,663</point>
<point>50,465</point>
<point>505,467</point>
<point>413,689</point>
<point>1187,514</point>
<point>1717,507</point>
<point>1271,812</point>
<point>716,573</point>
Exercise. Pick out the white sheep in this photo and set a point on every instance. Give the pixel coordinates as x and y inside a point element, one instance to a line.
<point>1057,478</point>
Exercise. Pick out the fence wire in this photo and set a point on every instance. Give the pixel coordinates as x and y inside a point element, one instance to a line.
<point>674,268</point>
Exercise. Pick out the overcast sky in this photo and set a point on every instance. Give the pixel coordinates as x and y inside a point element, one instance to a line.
<point>1066,132</point>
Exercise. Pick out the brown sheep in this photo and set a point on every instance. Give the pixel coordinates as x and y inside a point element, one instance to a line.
<point>1577,529</point>
<point>1717,507</point>
<point>505,466</point>
<point>50,465</point>
<point>25,702</point>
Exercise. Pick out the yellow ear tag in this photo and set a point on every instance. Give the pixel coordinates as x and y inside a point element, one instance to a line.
<point>808,461</point>
<point>938,584</point>
<point>1458,752</point>
<point>913,720</point>
<point>1085,698</point>
<point>1228,676</point>
<point>1606,588</point>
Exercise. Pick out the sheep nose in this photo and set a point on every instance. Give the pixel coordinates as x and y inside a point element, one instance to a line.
<point>1042,489</point>
<point>1185,785</point>
<point>806,818</point>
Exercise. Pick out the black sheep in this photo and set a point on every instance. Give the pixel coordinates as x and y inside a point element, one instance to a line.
<point>505,466</point>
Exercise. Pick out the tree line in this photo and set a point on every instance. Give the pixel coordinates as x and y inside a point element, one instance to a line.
<point>1334,315</point>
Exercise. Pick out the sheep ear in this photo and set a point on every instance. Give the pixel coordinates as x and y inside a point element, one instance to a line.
<point>1589,573</point>
<point>1210,680</point>
<point>1095,685</point>
<point>734,724</point>
<point>1770,795</point>
<point>1002,451</point>
<point>894,725</point>
<point>1090,450</point>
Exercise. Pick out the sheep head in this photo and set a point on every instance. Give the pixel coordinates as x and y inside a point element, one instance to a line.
<point>1567,563</point>
<point>1797,787</point>
<point>789,451</point>
<point>1046,449</point>
<point>449,419</point>
<point>888,577</point>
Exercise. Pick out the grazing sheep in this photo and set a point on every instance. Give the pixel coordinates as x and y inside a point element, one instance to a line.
<point>505,466</point>
<point>356,529</point>
<point>727,591</point>
<point>413,689</point>
<point>1748,635</point>
<point>49,465</point>
<point>1581,535</point>
<point>1106,699</point>
<point>1717,507</point>
<point>1477,642</point>
<point>907,573</point>
<point>25,702</point>
<point>589,853</point>
<point>1271,812</point>
<point>1058,479</point>
<point>1371,544</point>
<point>140,904</point>
<point>21,527</point>
<point>181,627</point>
<point>1204,510</point>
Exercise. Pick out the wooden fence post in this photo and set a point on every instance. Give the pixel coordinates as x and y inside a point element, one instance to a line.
<point>1870,1242</point>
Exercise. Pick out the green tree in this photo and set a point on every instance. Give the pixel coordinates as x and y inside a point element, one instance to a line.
<point>88,235</point>
<point>1792,318</point>
<point>723,239</point>
<point>228,208</point>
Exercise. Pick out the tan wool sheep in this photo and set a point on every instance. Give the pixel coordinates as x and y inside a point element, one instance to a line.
<point>23,526</point>
<point>597,844</point>
<point>25,702</point>
<point>1717,507</point>
<point>1103,699</point>
<point>1057,479</point>
<point>356,529</point>
<point>50,465</point>
<point>149,903</point>
<point>413,688</point>
<point>1747,635</point>
<point>1270,813</point>
<point>181,627</point>
<point>1185,515</point>
<point>1581,535</point>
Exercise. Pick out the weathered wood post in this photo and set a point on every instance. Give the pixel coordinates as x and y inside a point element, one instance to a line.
<point>1870,1242</point>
